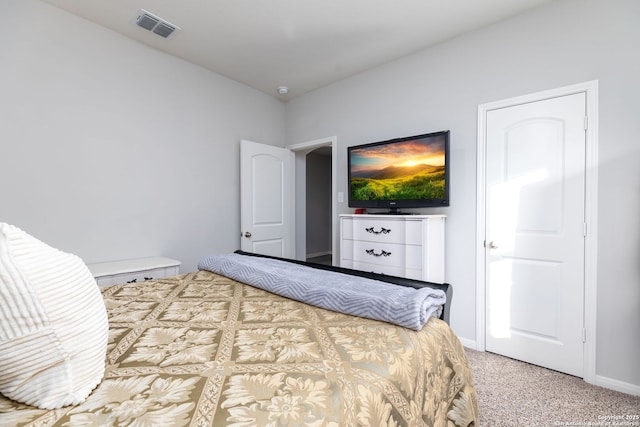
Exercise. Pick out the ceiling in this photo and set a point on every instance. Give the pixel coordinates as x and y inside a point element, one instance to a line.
<point>301,44</point>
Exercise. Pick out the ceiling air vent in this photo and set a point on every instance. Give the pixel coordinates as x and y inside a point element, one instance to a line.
<point>150,22</point>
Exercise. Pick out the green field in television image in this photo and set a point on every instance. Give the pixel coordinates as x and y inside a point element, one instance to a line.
<point>401,183</point>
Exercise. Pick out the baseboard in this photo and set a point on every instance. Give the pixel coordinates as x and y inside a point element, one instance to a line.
<point>617,385</point>
<point>600,381</point>
<point>317,254</point>
<point>468,343</point>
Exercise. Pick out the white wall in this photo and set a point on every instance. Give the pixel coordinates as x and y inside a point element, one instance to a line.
<point>563,43</point>
<point>112,150</point>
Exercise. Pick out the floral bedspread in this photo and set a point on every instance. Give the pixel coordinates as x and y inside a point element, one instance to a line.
<point>203,350</point>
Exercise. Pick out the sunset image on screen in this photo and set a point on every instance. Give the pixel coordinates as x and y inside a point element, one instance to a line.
<point>407,170</point>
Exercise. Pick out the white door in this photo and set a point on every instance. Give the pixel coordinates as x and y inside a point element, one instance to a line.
<point>266,199</point>
<point>535,232</point>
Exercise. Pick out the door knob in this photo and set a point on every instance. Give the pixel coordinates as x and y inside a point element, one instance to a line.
<point>493,245</point>
<point>247,234</point>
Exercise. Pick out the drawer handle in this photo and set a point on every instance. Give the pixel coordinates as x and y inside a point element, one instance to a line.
<point>382,230</point>
<point>373,252</point>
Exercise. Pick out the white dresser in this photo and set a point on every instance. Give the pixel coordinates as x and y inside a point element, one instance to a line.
<point>398,245</point>
<point>133,270</point>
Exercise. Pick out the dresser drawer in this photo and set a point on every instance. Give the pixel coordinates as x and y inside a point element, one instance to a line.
<point>391,231</point>
<point>134,270</point>
<point>386,254</point>
<point>138,276</point>
<point>380,269</point>
<point>410,273</point>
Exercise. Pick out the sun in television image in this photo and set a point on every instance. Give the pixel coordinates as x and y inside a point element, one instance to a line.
<point>405,170</point>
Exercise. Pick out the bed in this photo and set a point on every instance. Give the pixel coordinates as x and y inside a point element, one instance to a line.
<point>204,349</point>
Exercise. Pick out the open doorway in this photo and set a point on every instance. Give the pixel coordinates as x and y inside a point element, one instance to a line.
<point>315,200</point>
<point>318,206</point>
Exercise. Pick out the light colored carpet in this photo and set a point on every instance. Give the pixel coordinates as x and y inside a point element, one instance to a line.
<point>514,393</point>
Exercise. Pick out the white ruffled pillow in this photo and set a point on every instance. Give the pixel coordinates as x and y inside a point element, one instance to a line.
<point>53,323</point>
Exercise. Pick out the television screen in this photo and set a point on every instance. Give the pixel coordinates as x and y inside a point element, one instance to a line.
<point>410,172</point>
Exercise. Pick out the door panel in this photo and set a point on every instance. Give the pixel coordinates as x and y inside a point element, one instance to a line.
<point>534,228</point>
<point>266,205</point>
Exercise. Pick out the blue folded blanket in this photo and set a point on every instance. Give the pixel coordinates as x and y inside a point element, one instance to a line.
<point>358,296</point>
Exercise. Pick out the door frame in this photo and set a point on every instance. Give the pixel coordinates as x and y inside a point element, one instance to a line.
<point>590,88</point>
<point>300,211</point>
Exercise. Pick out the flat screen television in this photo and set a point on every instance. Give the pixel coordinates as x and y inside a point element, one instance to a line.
<point>409,172</point>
